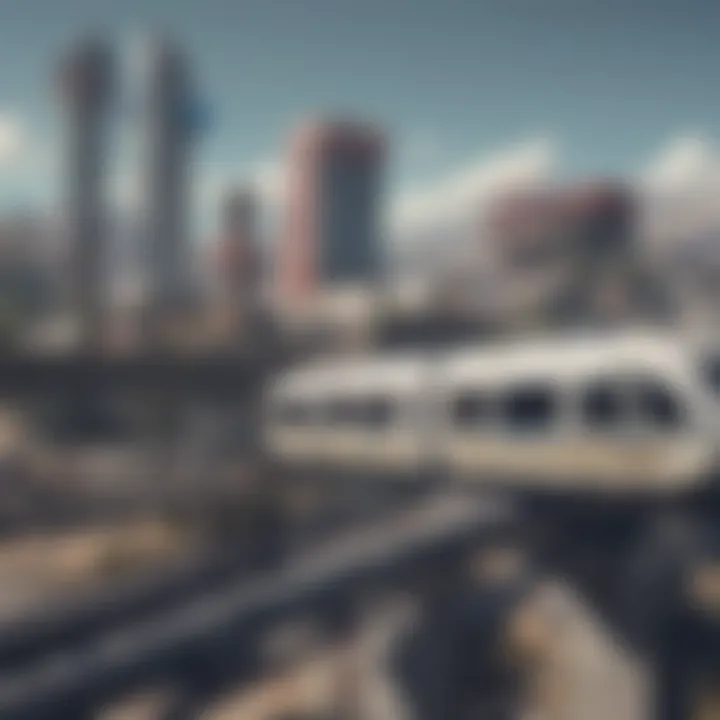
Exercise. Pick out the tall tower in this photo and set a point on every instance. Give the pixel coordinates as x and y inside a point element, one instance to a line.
<point>167,137</point>
<point>85,83</point>
<point>331,236</point>
<point>239,261</point>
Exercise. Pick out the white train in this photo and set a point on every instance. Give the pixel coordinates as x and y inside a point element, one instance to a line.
<point>623,414</point>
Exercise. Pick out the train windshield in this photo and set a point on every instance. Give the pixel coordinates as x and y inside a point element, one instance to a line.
<point>711,372</point>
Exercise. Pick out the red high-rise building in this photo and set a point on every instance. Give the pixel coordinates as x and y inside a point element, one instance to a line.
<point>591,220</point>
<point>331,233</point>
<point>566,254</point>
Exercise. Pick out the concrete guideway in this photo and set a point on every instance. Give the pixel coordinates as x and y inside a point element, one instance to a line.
<point>319,585</point>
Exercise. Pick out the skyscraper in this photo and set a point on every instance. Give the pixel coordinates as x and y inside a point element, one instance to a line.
<point>331,233</point>
<point>85,83</point>
<point>167,137</point>
<point>238,242</point>
<point>238,258</point>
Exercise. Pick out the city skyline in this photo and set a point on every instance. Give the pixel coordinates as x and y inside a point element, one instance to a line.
<point>470,94</point>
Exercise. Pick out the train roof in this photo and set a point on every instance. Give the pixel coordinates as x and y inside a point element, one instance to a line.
<point>560,357</point>
<point>396,373</point>
<point>567,356</point>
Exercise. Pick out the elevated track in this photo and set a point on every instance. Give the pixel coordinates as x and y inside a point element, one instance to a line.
<point>221,629</point>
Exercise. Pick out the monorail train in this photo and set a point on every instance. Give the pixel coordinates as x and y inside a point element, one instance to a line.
<point>632,413</point>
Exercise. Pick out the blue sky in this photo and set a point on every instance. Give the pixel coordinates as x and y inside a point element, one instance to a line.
<point>602,86</point>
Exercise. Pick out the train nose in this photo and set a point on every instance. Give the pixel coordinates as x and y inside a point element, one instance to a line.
<point>702,576</point>
<point>703,587</point>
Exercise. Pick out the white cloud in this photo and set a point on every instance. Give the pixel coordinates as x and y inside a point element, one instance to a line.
<point>686,161</point>
<point>458,197</point>
<point>13,140</point>
<point>679,189</point>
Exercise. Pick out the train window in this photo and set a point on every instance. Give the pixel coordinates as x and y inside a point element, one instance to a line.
<point>529,408</point>
<point>372,412</point>
<point>377,412</point>
<point>603,406</point>
<point>711,372</point>
<point>658,407</point>
<point>470,409</point>
<point>342,412</point>
<point>294,414</point>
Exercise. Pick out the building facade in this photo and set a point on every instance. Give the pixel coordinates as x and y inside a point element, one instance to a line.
<point>167,142</point>
<point>237,263</point>
<point>591,222</point>
<point>85,83</point>
<point>570,255</point>
<point>331,234</point>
